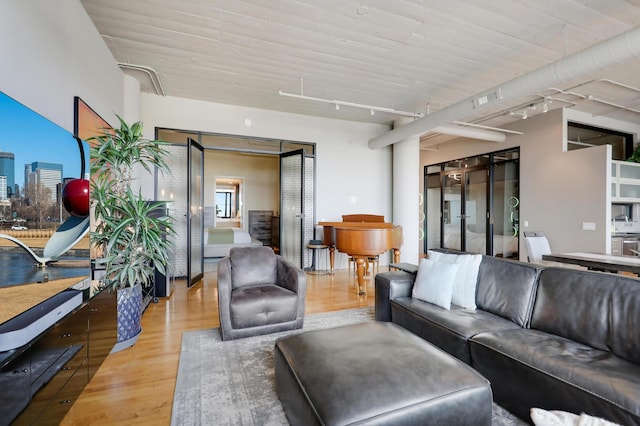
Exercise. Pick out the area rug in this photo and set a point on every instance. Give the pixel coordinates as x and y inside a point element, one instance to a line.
<point>232,383</point>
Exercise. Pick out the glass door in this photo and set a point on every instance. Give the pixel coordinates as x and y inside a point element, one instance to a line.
<point>452,210</point>
<point>506,210</point>
<point>474,219</point>
<point>465,210</point>
<point>473,204</point>
<point>433,211</point>
<point>171,188</point>
<point>195,218</point>
<point>296,211</point>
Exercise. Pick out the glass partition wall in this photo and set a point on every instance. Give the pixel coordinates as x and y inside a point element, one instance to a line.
<point>242,149</point>
<point>472,204</point>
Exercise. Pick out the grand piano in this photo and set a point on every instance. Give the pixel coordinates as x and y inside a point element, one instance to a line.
<point>361,240</point>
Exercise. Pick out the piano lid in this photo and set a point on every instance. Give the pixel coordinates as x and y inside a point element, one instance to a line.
<point>374,225</point>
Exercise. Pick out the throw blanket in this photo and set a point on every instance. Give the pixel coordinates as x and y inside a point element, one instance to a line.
<point>220,236</point>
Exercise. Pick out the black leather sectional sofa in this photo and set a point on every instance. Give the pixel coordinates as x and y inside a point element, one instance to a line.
<point>553,338</point>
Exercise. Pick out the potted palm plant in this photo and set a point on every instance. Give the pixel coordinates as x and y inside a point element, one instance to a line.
<point>129,239</point>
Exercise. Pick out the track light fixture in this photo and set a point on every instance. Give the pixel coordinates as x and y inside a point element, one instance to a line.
<point>526,112</point>
<point>339,103</point>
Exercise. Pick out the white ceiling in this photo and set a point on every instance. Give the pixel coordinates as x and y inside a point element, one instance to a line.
<point>408,55</point>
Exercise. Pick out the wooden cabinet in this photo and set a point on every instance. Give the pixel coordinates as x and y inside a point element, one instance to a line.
<point>47,375</point>
<point>275,233</point>
<point>103,328</point>
<point>260,225</point>
<point>67,341</point>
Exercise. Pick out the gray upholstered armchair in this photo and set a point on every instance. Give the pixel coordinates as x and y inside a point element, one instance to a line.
<point>259,292</point>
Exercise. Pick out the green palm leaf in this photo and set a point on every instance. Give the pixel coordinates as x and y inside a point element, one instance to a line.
<point>132,242</point>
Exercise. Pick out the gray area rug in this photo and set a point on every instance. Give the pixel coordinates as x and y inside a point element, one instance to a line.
<point>232,383</point>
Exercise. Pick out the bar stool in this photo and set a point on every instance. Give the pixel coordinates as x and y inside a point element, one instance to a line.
<point>314,246</point>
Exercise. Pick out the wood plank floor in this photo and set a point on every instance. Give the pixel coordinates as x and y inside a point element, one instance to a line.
<point>135,386</point>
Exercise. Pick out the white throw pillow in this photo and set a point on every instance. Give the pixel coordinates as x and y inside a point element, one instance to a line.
<point>434,282</point>
<point>434,255</point>
<point>542,417</point>
<point>464,289</point>
<point>466,280</point>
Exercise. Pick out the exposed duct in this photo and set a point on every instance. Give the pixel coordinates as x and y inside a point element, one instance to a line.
<point>614,51</point>
<point>150,72</point>
<point>465,132</point>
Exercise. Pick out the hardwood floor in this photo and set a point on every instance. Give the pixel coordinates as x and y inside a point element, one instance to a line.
<point>135,386</point>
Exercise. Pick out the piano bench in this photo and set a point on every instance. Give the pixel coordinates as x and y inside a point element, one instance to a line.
<point>376,372</point>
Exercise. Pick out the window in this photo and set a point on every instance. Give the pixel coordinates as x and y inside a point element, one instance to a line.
<point>223,204</point>
<point>581,136</point>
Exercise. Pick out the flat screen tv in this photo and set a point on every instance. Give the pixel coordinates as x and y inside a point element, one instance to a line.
<point>43,199</point>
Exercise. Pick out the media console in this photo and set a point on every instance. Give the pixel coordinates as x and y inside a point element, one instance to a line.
<point>48,373</point>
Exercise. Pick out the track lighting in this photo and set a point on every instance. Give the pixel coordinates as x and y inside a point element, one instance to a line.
<point>526,112</point>
<point>372,109</point>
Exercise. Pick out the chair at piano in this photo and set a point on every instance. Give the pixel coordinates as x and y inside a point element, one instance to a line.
<point>373,260</point>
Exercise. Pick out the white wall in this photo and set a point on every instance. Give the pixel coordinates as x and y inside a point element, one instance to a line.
<point>559,191</point>
<point>51,52</point>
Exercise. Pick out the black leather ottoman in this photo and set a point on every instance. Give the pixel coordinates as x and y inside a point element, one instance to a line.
<point>376,373</point>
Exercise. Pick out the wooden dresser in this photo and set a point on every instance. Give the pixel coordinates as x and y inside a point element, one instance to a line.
<point>260,225</point>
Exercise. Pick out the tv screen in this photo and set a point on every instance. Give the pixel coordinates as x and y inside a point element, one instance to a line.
<point>43,199</point>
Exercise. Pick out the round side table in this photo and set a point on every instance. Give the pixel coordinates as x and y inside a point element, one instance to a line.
<point>316,250</point>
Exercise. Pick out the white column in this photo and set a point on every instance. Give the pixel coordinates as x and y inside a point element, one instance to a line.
<point>406,197</point>
<point>131,114</point>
